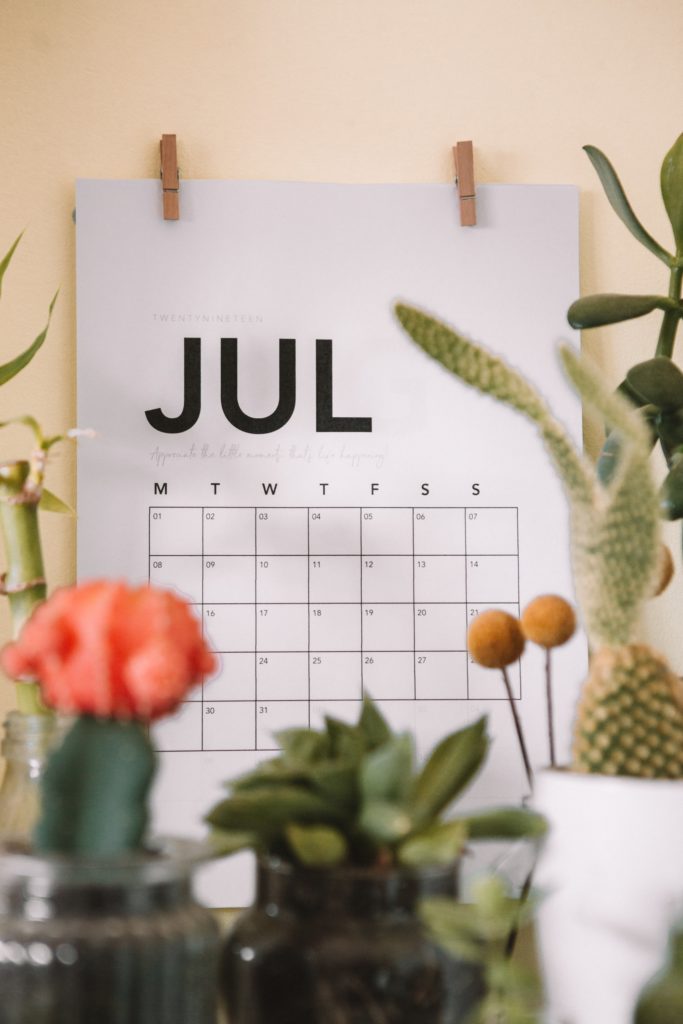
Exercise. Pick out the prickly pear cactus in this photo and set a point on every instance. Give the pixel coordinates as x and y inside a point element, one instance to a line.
<point>629,719</point>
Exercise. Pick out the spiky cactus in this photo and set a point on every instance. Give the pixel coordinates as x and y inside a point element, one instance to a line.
<point>630,719</point>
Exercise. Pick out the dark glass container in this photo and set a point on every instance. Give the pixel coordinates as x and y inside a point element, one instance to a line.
<point>343,946</point>
<point>105,941</point>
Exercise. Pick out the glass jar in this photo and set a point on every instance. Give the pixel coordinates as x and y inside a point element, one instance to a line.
<point>344,946</point>
<point>26,744</point>
<point>117,941</point>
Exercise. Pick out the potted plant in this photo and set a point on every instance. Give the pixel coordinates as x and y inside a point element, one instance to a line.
<point>611,864</point>
<point>97,921</point>
<point>478,932</point>
<point>654,386</point>
<point>350,838</point>
<point>32,728</point>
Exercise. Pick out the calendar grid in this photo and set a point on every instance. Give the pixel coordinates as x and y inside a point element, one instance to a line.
<point>308,598</point>
<point>412,535</point>
<point>467,656</point>
<point>360,602</point>
<point>256,693</point>
<point>277,588</point>
<point>203,630</point>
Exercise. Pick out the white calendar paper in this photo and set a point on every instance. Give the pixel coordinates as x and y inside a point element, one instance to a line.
<point>335,505</point>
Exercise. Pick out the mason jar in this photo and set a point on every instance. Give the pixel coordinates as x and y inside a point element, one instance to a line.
<point>105,941</point>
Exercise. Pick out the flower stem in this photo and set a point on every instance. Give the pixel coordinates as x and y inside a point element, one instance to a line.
<point>518,727</point>
<point>24,579</point>
<point>549,702</point>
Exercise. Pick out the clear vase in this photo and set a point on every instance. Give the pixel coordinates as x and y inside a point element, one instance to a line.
<point>105,941</point>
<point>26,743</point>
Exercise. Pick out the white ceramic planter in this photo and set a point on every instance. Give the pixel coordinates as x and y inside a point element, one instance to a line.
<point>612,874</point>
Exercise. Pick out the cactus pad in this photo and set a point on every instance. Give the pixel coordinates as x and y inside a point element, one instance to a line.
<point>630,717</point>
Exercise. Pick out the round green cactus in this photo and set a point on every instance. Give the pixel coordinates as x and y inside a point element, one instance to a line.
<point>630,717</point>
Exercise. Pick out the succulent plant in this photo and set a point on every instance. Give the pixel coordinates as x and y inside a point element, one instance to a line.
<point>352,794</point>
<point>478,932</point>
<point>655,386</point>
<point>615,551</point>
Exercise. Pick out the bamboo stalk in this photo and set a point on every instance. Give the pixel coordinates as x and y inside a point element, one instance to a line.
<point>24,580</point>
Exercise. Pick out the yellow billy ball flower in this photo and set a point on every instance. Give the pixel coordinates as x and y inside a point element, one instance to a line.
<point>664,571</point>
<point>548,621</point>
<point>495,639</point>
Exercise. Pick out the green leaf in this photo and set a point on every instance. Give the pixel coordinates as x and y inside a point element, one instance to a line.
<point>11,369</point>
<point>276,772</point>
<point>451,766</point>
<point>626,391</point>
<point>454,926</point>
<point>317,845</point>
<point>598,310</point>
<point>386,773</point>
<point>610,455</point>
<point>223,844</point>
<point>620,204</point>
<point>669,427</point>
<point>609,458</point>
<point>373,725</point>
<point>505,823</point>
<point>385,822</point>
<point>49,502</point>
<point>337,782</point>
<point>305,745</point>
<point>658,381</point>
<point>7,259</point>
<point>439,844</point>
<point>671,493</point>
<point>489,916</point>
<point>26,421</point>
<point>346,741</point>
<point>671,180</point>
<point>268,810</point>
<point>95,789</point>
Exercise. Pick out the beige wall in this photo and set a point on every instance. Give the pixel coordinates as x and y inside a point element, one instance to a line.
<point>345,90</point>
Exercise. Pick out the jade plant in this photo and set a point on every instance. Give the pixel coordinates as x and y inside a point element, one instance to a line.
<point>654,386</point>
<point>352,794</point>
<point>630,719</point>
<point>22,494</point>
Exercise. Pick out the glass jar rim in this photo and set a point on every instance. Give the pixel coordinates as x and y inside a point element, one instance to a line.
<point>357,872</point>
<point>163,859</point>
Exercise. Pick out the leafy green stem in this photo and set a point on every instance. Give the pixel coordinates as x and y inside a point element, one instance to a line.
<point>671,319</point>
<point>24,580</point>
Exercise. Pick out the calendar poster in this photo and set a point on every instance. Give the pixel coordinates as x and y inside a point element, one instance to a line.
<point>335,505</point>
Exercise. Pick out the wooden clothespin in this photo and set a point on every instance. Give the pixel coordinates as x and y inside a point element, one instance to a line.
<point>463,155</point>
<point>170,180</point>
